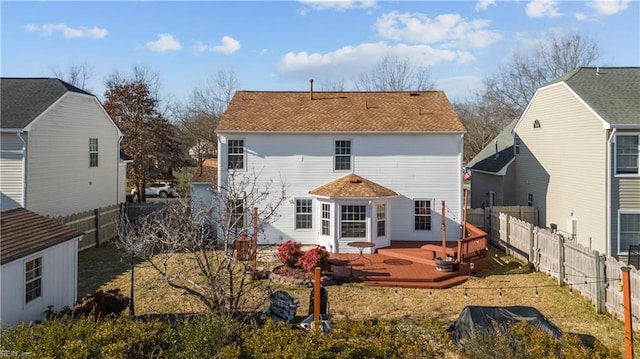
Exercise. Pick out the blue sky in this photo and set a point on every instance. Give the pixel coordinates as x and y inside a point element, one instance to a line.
<point>280,45</point>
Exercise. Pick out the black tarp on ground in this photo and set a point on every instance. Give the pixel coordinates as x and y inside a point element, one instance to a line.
<point>476,318</point>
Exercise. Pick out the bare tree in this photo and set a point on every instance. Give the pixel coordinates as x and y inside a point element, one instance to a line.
<point>395,74</point>
<point>199,116</point>
<point>192,248</point>
<point>75,74</point>
<point>516,82</point>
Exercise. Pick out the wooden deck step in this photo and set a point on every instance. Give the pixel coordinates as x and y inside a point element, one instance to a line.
<point>438,277</point>
<point>448,283</point>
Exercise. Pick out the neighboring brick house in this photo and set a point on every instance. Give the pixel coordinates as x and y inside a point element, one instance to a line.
<point>358,166</point>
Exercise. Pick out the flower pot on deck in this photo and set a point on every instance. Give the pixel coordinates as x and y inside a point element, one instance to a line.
<point>445,265</point>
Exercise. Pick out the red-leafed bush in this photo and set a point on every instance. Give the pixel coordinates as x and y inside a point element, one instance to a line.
<point>289,253</point>
<point>316,257</point>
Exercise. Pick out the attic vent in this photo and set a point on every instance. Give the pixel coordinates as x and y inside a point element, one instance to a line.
<point>414,94</point>
<point>536,124</point>
<point>354,179</point>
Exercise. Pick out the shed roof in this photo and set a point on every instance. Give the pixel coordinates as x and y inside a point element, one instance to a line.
<point>209,172</point>
<point>421,111</point>
<point>352,185</point>
<point>23,99</point>
<point>612,92</point>
<point>25,232</point>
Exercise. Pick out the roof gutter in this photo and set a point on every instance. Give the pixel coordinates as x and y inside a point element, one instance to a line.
<point>222,132</point>
<point>12,130</point>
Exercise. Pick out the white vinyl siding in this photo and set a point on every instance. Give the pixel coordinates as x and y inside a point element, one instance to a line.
<point>12,170</point>
<point>59,180</point>
<point>416,166</point>
<point>563,164</point>
<point>58,282</point>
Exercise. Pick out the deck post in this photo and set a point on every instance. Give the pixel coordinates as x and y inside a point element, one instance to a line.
<point>316,299</point>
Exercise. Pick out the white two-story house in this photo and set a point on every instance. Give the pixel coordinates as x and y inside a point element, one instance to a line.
<point>358,166</point>
<point>59,150</point>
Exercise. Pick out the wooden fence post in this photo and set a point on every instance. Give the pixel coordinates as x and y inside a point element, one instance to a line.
<point>600,284</point>
<point>96,213</point>
<point>560,260</point>
<point>507,234</point>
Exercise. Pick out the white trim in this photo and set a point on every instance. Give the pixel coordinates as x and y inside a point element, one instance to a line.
<point>431,208</point>
<point>351,157</point>
<point>624,211</point>
<point>244,155</point>
<point>40,298</point>
<point>341,133</point>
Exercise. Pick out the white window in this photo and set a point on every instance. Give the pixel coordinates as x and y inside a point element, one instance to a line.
<point>353,221</point>
<point>235,157</point>
<point>93,152</point>
<point>422,215</point>
<point>530,199</point>
<point>33,279</point>
<point>629,231</point>
<point>627,154</point>
<point>381,219</point>
<point>326,219</point>
<point>342,159</point>
<point>304,213</point>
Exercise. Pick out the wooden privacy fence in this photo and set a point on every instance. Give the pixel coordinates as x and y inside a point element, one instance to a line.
<point>583,269</point>
<point>98,225</point>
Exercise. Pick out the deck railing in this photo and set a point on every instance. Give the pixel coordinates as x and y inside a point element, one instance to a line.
<point>473,245</point>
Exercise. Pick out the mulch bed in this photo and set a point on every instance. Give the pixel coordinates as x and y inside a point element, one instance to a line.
<point>297,277</point>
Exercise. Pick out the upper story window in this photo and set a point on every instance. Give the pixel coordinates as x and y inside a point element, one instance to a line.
<point>236,155</point>
<point>627,154</point>
<point>304,214</point>
<point>342,159</point>
<point>93,152</point>
<point>33,279</point>
<point>422,215</point>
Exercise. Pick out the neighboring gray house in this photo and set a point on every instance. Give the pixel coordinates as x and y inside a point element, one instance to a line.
<point>578,161</point>
<point>493,172</point>
<point>59,150</point>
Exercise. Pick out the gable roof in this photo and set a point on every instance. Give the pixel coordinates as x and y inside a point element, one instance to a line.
<point>352,185</point>
<point>487,161</point>
<point>23,99</point>
<point>25,232</point>
<point>422,111</point>
<point>612,92</point>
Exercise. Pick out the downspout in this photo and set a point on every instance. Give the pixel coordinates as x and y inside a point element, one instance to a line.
<point>608,179</point>
<point>120,136</point>
<point>24,169</point>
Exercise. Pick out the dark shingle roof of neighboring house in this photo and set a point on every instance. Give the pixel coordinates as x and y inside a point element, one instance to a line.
<point>352,185</point>
<point>23,99</point>
<point>487,161</point>
<point>421,111</point>
<point>25,233</point>
<point>613,92</point>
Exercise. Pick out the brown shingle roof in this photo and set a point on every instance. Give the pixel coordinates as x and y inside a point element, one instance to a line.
<point>422,111</point>
<point>352,185</point>
<point>209,171</point>
<point>24,232</point>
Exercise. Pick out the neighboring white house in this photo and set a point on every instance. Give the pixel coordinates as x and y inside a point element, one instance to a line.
<point>38,266</point>
<point>59,150</point>
<point>358,166</point>
<point>579,161</point>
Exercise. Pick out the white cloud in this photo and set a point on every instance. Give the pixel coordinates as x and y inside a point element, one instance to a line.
<point>580,16</point>
<point>229,45</point>
<point>337,5</point>
<point>610,7</point>
<point>343,63</point>
<point>459,88</point>
<point>543,8</point>
<point>483,5</point>
<point>165,43</point>
<point>447,29</point>
<point>67,31</point>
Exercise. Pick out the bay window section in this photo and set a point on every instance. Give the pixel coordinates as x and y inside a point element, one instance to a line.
<point>353,222</point>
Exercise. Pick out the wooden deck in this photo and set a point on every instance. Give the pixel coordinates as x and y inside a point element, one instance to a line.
<point>403,264</point>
